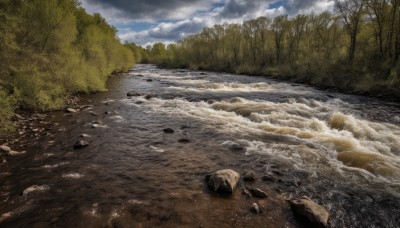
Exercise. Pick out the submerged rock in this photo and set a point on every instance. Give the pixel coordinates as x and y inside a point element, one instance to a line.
<point>149,80</point>
<point>150,96</point>
<point>134,94</point>
<point>223,181</point>
<point>269,178</point>
<point>249,176</point>
<point>314,213</point>
<point>256,192</point>
<point>80,144</point>
<point>184,140</point>
<point>168,130</point>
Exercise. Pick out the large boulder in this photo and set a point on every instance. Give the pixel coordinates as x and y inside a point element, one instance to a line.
<point>314,213</point>
<point>223,181</point>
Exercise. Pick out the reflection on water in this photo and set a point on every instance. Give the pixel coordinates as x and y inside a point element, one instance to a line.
<point>343,151</point>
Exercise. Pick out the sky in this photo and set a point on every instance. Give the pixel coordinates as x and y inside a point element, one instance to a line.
<point>146,22</point>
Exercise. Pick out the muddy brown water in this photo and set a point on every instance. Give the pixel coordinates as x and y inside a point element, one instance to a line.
<point>340,150</point>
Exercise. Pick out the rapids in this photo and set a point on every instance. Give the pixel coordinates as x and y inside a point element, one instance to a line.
<point>341,150</point>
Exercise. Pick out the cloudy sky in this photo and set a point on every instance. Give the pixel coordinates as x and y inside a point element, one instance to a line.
<point>149,21</point>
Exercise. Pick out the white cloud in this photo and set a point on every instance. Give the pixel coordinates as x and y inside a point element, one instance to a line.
<point>175,19</point>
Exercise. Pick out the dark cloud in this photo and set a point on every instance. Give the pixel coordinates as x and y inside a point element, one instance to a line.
<point>238,8</point>
<point>152,9</point>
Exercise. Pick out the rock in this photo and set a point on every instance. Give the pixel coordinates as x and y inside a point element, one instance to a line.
<point>139,102</point>
<point>5,216</point>
<point>149,80</point>
<point>314,213</point>
<point>249,176</point>
<point>134,94</point>
<point>150,96</point>
<point>168,131</point>
<point>224,181</point>
<point>84,136</point>
<point>203,73</point>
<point>93,113</point>
<point>19,117</point>
<point>80,144</point>
<point>246,192</point>
<point>97,122</point>
<point>99,126</point>
<point>5,148</point>
<point>71,110</point>
<point>12,153</point>
<point>108,113</point>
<point>184,140</point>
<point>256,192</point>
<point>32,188</point>
<point>255,208</point>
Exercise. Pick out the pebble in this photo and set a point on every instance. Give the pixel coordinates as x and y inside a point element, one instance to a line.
<point>99,126</point>
<point>15,153</point>
<point>5,148</point>
<point>71,110</point>
<point>5,216</point>
<point>33,188</point>
<point>256,192</point>
<point>255,208</point>
<point>93,113</point>
<point>249,176</point>
<point>80,144</point>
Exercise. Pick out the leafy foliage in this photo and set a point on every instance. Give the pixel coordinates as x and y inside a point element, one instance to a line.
<point>51,49</point>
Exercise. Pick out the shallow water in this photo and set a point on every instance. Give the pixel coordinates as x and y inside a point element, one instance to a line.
<point>342,151</point>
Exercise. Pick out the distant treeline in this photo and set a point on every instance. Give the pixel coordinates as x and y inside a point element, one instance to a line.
<point>354,48</point>
<point>51,49</point>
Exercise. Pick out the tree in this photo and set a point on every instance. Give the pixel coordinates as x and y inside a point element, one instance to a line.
<point>351,12</point>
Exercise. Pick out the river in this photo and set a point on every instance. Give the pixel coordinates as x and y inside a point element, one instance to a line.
<point>343,151</point>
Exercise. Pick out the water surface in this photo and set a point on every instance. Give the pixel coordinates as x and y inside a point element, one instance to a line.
<point>340,150</point>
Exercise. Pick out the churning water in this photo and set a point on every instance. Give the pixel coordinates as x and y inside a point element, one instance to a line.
<point>343,151</point>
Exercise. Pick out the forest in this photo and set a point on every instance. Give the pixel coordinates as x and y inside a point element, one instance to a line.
<point>355,48</point>
<point>50,50</point>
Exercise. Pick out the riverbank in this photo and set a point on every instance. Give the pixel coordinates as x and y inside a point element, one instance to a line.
<point>346,87</point>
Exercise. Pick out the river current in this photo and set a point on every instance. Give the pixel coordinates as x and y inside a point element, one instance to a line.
<point>343,151</point>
